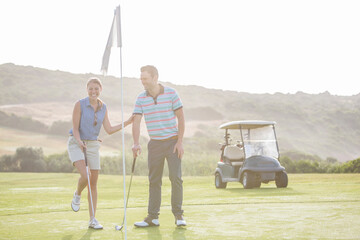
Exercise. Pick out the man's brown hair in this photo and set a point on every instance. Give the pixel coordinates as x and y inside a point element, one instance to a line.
<point>150,69</point>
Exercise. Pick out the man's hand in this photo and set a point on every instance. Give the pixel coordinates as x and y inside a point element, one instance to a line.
<point>136,148</point>
<point>179,148</point>
<point>136,135</point>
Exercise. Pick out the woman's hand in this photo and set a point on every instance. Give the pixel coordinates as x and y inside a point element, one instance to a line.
<point>130,120</point>
<point>82,145</point>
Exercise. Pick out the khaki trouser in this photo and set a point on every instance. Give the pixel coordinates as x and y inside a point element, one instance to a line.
<point>158,151</point>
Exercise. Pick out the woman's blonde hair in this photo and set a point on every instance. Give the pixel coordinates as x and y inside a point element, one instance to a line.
<point>94,80</point>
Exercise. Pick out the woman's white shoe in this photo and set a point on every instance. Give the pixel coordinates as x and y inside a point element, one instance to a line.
<point>75,203</point>
<point>95,224</point>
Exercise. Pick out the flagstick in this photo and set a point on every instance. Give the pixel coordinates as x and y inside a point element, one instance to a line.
<point>123,130</point>
<point>104,67</point>
<point>119,44</point>
<point>123,139</point>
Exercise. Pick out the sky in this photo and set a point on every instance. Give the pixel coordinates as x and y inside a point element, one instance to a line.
<point>257,46</point>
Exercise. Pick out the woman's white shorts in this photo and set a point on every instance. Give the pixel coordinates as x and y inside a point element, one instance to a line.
<point>92,152</point>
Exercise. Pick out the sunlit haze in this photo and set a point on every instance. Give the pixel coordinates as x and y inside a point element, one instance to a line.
<point>247,46</point>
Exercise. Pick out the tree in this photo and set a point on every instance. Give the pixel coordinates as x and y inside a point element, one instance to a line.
<point>351,167</point>
<point>59,163</point>
<point>7,164</point>
<point>30,159</point>
<point>289,165</point>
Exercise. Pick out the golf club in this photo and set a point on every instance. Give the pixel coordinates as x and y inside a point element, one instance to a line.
<point>88,178</point>
<point>117,227</point>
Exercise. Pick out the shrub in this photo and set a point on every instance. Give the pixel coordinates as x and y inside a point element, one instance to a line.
<point>30,159</point>
<point>59,163</point>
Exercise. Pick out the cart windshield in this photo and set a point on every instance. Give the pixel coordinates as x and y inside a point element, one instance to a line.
<point>260,141</point>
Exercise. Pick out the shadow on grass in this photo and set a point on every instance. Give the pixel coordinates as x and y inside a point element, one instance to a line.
<point>179,233</point>
<point>153,233</point>
<point>87,234</point>
<point>264,191</point>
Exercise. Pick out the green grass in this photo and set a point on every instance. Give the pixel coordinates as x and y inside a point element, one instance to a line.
<point>314,206</point>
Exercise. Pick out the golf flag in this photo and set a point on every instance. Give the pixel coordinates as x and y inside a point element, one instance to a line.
<point>114,40</point>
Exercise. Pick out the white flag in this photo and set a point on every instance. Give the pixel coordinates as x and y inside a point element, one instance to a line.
<point>114,38</point>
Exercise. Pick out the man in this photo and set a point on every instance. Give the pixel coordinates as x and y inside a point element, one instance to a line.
<point>161,106</point>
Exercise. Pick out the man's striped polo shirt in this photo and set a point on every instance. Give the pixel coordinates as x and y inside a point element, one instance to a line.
<point>159,113</point>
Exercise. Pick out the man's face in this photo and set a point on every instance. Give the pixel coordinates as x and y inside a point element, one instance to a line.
<point>147,80</point>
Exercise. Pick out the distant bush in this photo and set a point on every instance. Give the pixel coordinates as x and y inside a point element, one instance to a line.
<point>114,165</point>
<point>195,164</point>
<point>59,163</point>
<point>305,163</point>
<point>288,164</point>
<point>27,159</point>
<point>7,164</point>
<point>348,167</point>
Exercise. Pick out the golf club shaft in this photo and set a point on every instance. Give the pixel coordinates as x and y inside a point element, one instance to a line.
<point>127,198</point>
<point>92,205</point>
<point>89,186</point>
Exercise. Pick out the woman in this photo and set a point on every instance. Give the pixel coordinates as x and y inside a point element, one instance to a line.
<point>88,116</point>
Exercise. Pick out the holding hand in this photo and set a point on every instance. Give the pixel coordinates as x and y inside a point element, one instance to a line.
<point>136,148</point>
<point>82,145</point>
<point>129,121</point>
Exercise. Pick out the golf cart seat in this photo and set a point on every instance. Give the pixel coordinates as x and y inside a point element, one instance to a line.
<point>234,155</point>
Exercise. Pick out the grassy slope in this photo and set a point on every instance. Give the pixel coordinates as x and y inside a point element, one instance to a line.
<point>37,206</point>
<point>11,139</point>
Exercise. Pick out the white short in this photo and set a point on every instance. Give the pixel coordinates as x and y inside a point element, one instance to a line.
<point>92,152</point>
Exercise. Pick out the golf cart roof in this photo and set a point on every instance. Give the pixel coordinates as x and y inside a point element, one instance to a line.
<point>248,124</point>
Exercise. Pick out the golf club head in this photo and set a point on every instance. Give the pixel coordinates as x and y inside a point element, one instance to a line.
<point>119,228</point>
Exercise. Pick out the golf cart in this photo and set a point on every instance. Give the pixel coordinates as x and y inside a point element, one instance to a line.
<point>250,155</point>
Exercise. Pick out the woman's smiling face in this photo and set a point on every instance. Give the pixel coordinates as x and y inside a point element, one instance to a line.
<point>94,90</point>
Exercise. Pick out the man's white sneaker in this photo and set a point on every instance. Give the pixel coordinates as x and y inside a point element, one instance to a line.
<point>75,203</point>
<point>148,222</point>
<point>180,221</point>
<point>95,224</point>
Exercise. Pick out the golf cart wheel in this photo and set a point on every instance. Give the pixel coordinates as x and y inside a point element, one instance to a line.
<point>249,180</point>
<point>218,181</point>
<point>257,182</point>
<point>281,180</point>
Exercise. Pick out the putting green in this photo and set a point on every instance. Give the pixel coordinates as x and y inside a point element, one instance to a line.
<point>314,206</point>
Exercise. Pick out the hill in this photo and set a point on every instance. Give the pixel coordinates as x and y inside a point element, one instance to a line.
<point>321,124</point>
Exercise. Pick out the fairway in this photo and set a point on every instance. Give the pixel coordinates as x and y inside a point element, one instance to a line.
<point>314,206</point>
